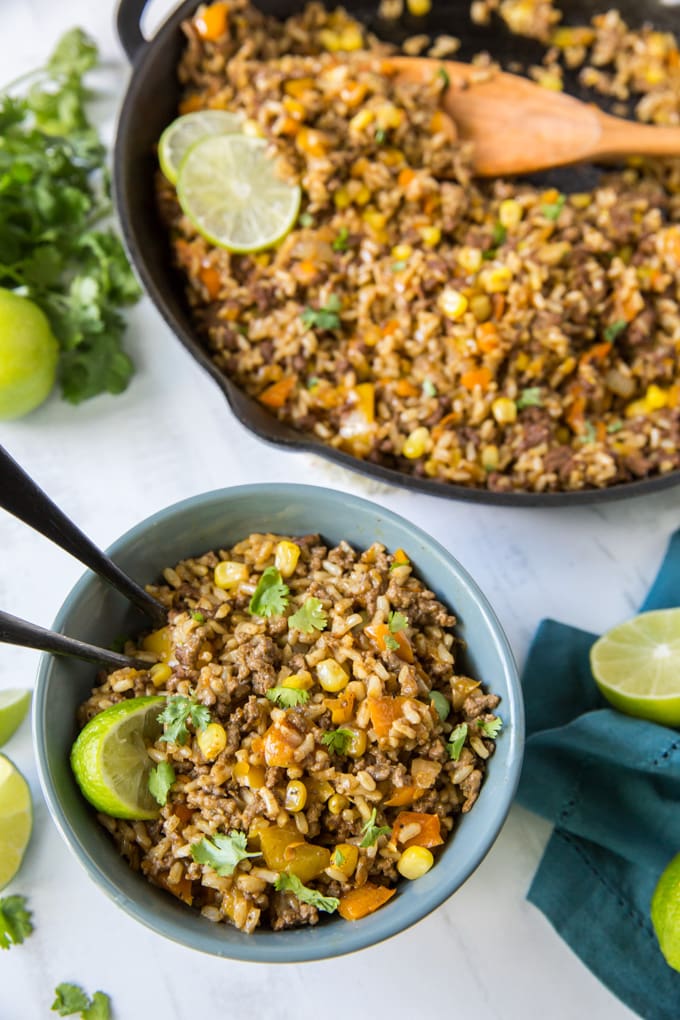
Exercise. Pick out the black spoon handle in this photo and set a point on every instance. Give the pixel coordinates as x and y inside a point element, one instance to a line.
<point>20,495</point>
<point>14,631</point>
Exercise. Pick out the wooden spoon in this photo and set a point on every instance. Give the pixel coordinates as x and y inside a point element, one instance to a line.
<point>518,127</point>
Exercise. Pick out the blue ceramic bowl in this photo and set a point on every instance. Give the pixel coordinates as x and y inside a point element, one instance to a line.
<point>95,613</point>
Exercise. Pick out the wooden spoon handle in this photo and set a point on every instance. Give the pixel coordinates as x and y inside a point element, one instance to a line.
<point>627,138</point>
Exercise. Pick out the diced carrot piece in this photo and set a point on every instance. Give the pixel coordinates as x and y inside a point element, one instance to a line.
<point>365,900</point>
<point>476,377</point>
<point>405,177</point>
<point>210,278</point>
<point>448,419</point>
<point>277,394</point>
<point>305,271</point>
<point>405,388</point>
<point>211,23</point>
<point>404,796</point>
<point>380,633</point>
<point>191,104</point>
<point>598,352</point>
<point>429,835</point>
<point>488,337</point>
<point>383,712</point>
<point>390,327</point>
<point>400,556</point>
<point>576,414</point>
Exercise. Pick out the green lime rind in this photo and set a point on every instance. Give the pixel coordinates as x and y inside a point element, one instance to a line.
<point>28,356</point>
<point>110,759</point>
<point>229,189</point>
<point>16,819</point>
<point>14,705</point>
<point>665,913</point>
<point>183,132</point>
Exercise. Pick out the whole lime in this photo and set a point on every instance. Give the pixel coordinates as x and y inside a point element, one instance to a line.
<point>28,356</point>
<point>666,913</point>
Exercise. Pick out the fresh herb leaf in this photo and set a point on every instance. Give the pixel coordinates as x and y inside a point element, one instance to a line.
<point>71,999</point>
<point>615,426</point>
<point>371,831</point>
<point>441,704</point>
<point>198,617</point>
<point>589,434</point>
<point>457,738</point>
<point>530,397</point>
<point>396,622</point>
<point>160,780</point>
<point>614,329</point>
<point>337,741</point>
<point>291,883</point>
<point>338,857</point>
<point>287,697</point>
<point>74,54</point>
<point>429,388</point>
<point>490,727</point>
<point>340,242</point>
<point>499,234</point>
<point>15,921</point>
<point>391,643</point>
<point>270,598</point>
<point>177,712</point>
<point>326,317</point>
<point>552,210</point>
<point>310,616</point>
<point>380,136</point>
<point>399,265</point>
<point>444,75</point>
<point>222,853</point>
<point>306,219</point>
<point>99,1008</point>
<point>312,382</point>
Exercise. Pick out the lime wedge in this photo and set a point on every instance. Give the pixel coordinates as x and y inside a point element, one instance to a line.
<point>110,759</point>
<point>229,189</point>
<point>16,819</point>
<point>13,708</point>
<point>184,132</point>
<point>666,913</point>
<point>637,666</point>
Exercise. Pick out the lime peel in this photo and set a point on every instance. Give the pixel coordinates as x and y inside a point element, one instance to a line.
<point>665,913</point>
<point>16,819</point>
<point>179,136</point>
<point>14,704</point>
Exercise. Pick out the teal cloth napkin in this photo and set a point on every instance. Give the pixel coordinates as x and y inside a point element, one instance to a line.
<point>611,786</point>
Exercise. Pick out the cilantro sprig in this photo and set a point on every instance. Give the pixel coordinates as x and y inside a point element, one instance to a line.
<point>337,741</point>
<point>552,210</point>
<point>287,697</point>
<point>71,999</point>
<point>291,883</point>
<point>177,713</point>
<point>395,621</point>
<point>457,738</point>
<point>614,329</point>
<point>490,727</point>
<point>372,832</point>
<point>222,852</point>
<point>270,597</point>
<point>340,242</point>
<point>15,921</point>
<point>161,779</point>
<point>310,616</point>
<point>325,317</point>
<point>529,397</point>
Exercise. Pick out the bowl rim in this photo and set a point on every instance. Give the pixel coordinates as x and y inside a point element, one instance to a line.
<point>357,936</point>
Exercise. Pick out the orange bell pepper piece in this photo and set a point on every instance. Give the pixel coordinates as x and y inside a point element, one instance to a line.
<point>211,23</point>
<point>277,394</point>
<point>192,103</point>
<point>598,352</point>
<point>429,835</point>
<point>210,279</point>
<point>360,902</point>
<point>277,751</point>
<point>476,377</point>
<point>340,708</point>
<point>383,712</point>
<point>379,634</point>
<point>404,796</point>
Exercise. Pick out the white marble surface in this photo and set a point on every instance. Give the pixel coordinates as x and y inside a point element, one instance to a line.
<point>486,953</point>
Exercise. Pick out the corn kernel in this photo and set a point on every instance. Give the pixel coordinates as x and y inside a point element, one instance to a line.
<point>388,116</point>
<point>332,676</point>
<point>419,8</point>
<point>356,745</point>
<point>489,457</point>
<point>160,674</point>
<point>298,681</point>
<point>348,39</point>
<point>496,280</point>
<point>580,200</point>
<point>240,770</point>
<point>415,862</point>
<point>363,195</point>
<point>431,236</point>
<point>655,398</point>
<point>635,408</point>
<point>416,443</point>
<point>452,303</point>
<point>296,796</point>
<point>212,740</point>
<point>230,574</point>
<point>374,219</point>
<point>159,642</point>
<point>402,251</point>
<point>298,86</point>
<point>286,556</point>
<point>337,803</point>
<point>294,107</point>
<point>510,213</point>
<point>361,120</point>
<point>342,198</point>
<point>311,142</point>
<point>470,259</point>
<point>345,858</point>
<point>480,306</point>
<point>504,410</point>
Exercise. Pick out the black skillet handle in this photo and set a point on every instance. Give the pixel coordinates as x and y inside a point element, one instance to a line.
<point>128,25</point>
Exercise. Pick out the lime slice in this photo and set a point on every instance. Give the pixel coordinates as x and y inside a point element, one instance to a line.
<point>111,762</point>
<point>666,913</point>
<point>637,666</point>
<point>13,707</point>
<point>179,136</point>
<point>16,819</point>
<point>229,188</point>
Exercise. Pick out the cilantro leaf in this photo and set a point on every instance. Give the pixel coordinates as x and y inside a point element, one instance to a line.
<point>99,1008</point>
<point>177,712</point>
<point>429,388</point>
<point>291,883</point>
<point>198,617</point>
<point>15,921</point>
<point>552,210</point>
<point>340,242</point>
<point>457,738</point>
<point>396,622</point>
<point>223,853</point>
<point>490,727</point>
<point>160,780</point>
<point>71,999</point>
<point>326,317</point>
<point>530,397</point>
<point>391,642</point>
<point>441,704</point>
<point>74,54</point>
<point>372,832</point>
<point>306,219</point>
<point>589,434</point>
<point>337,741</point>
<point>614,329</point>
<point>615,426</point>
<point>380,136</point>
<point>310,616</point>
<point>338,857</point>
<point>287,697</point>
<point>399,265</point>
<point>444,75</point>
<point>270,596</point>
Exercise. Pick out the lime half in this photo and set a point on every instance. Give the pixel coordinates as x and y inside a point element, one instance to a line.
<point>13,708</point>
<point>666,913</point>
<point>228,186</point>
<point>637,666</point>
<point>16,819</point>
<point>111,762</point>
<point>184,132</point>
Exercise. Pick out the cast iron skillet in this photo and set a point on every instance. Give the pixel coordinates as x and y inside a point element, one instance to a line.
<point>151,103</point>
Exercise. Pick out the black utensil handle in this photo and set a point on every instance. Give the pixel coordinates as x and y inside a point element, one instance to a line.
<point>20,495</point>
<point>128,19</point>
<point>14,631</point>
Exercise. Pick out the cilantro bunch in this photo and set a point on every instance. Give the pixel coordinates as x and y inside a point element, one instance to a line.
<point>54,190</point>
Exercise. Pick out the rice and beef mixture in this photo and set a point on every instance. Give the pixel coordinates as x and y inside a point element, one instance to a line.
<point>493,334</point>
<point>330,743</point>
